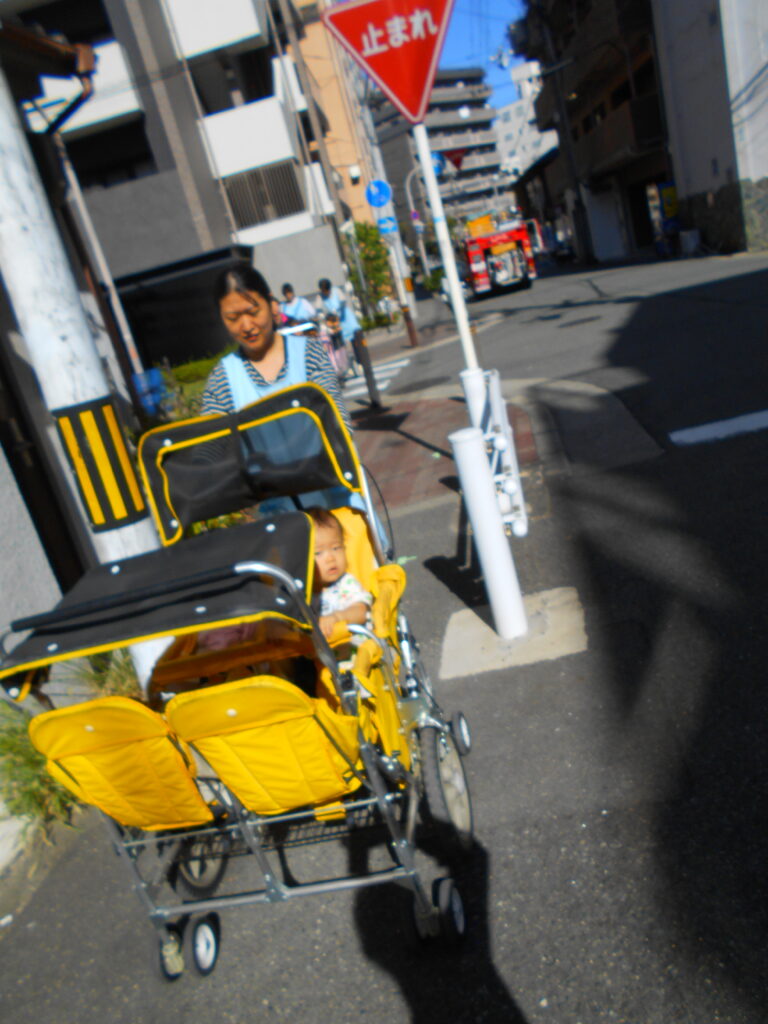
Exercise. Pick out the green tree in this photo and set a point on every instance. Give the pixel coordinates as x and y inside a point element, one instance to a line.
<point>373,257</point>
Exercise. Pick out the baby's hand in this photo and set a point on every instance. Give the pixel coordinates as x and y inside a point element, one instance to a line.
<point>327,624</point>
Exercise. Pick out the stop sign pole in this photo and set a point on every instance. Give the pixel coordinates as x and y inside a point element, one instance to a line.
<point>398,43</point>
<point>447,255</point>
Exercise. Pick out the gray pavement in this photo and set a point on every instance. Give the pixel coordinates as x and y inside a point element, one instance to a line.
<point>621,791</point>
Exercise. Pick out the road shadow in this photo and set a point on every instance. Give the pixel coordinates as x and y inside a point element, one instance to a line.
<point>461,572</point>
<point>674,560</point>
<point>440,983</point>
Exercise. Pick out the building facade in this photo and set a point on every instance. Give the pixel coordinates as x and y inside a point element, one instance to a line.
<point>604,84</point>
<point>197,135</point>
<point>666,105</point>
<point>521,144</point>
<point>338,86</point>
<point>712,60</point>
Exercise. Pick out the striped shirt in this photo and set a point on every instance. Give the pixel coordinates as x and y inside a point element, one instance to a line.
<point>218,398</point>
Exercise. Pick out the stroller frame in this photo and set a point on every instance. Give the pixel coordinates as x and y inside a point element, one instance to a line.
<point>398,782</point>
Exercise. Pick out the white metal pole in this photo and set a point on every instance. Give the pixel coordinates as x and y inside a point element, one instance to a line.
<point>491,541</point>
<point>48,308</point>
<point>446,249</point>
<point>475,395</point>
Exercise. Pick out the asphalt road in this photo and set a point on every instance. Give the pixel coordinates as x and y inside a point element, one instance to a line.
<point>621,793</point>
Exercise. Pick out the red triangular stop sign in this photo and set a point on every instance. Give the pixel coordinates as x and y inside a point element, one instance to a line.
<point>397,42</point>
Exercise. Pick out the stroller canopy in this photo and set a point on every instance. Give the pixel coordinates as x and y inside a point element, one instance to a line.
<point>176,590</point>
<point>289,443</point>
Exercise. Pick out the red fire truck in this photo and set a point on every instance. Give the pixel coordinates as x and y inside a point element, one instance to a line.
<point>498,256</point>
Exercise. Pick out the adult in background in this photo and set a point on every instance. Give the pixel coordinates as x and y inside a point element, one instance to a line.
<point>296,309</point>
<point>331,300</point>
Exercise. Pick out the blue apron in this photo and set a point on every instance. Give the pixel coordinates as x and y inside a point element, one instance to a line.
<point>245,390</point>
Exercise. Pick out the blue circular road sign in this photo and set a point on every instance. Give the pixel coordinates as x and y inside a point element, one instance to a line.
<point>438,162</point>
<point>378,193</point>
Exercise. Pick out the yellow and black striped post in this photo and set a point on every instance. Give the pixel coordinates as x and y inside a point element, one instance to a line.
<point>95,446</point>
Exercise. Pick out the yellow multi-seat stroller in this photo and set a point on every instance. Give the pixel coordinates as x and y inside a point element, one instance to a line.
<point>266,744</point>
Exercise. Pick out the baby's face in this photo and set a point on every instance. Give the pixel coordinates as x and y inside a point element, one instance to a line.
<point>330,556</point>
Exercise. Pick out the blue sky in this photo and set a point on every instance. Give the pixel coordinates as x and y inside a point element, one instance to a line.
<point>476,31</point>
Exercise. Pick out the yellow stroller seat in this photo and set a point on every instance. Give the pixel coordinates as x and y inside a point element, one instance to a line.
<point>119,756</point>
<point>273,746</point>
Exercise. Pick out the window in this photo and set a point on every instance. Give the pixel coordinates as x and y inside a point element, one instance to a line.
<point>264,194</point>
<point>112,156</point>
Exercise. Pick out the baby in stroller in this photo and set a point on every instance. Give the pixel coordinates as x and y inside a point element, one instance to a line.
<point>339,597</point>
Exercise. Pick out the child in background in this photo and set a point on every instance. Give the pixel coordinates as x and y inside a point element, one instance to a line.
<point>339,597</point>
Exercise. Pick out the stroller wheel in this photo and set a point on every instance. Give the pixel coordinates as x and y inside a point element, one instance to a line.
<point>447,803</point>
<point>450,907</point>
<point>200,866</point>
<point>206,943</point>
<point>446,922</point>
<point>461,732</point>
<point>171,955</point>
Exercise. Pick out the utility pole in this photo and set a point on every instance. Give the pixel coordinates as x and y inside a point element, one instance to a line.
<point>412,209</point>
<point>46,302</point>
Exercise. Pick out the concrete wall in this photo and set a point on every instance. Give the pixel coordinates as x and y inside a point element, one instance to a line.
<point>694,84</point>
<point>301,259</point>
<point>143,223</point>
<point>27,583</point>
<point>745,38</point>
<point>712,61</point>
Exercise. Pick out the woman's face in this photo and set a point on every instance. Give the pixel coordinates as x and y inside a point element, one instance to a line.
<point>250,319</point>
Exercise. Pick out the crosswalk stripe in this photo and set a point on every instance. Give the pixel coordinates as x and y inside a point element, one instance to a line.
<point>384,374</point>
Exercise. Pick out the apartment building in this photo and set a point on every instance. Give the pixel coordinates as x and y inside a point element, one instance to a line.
<point>604,69</point>
<point>339,87</point>
<point>459,123</point>
<point>521,144</point>
<point>196,138</point>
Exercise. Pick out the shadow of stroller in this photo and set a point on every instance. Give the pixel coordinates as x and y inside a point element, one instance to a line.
<point>439,982</point>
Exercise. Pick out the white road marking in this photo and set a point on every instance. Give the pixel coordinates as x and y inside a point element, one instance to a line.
<point>718,430</point>
<point>384,374</point>
<point>555,629</point>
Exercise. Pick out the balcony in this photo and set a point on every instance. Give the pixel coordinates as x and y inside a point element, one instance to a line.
<point>452,118</point>
<point>460,94</point>
<point>633,129</point>
<point>202,27</point>
<point>287,86</point>
<point>249,136</point>
<point>477,161</point>
<point>461,140</point>
<point>114,97</point>
<point>457,187</point>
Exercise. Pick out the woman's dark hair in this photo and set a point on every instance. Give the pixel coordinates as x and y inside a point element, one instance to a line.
<point>288,288</point>
<point>324,283</point>
<point>240,277</point>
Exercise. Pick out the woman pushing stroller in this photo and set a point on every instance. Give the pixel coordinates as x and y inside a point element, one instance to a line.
<point>266,360</point>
